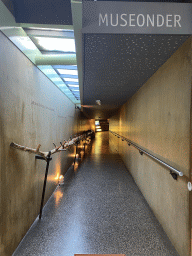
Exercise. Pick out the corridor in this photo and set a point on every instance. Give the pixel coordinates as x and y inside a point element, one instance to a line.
<point>99,209</point>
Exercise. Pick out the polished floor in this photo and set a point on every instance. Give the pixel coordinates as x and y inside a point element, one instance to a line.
<point>98,210</point>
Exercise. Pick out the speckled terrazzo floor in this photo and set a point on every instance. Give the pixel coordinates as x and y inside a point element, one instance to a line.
<point>99,209</point>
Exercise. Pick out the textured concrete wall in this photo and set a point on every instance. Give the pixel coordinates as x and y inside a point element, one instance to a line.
<point>157,118</point>
<point>32,111</point>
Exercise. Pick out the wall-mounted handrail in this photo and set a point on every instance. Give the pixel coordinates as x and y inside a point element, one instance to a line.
<point>142,151</point>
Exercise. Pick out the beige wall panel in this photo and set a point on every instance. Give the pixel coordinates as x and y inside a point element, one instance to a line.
<point>32,111</point>
<point>157,118</point>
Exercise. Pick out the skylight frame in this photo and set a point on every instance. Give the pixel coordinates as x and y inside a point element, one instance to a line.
<point>24,40</point>
<point>51,41</point>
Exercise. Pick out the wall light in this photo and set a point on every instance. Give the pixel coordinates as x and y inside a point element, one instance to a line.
<point>98,102</point>
<point>61,180</point>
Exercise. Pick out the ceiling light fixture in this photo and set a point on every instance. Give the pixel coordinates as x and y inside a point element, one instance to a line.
<point>98,102</point>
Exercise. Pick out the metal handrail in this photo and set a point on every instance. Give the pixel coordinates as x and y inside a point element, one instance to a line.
<point>141,151</point>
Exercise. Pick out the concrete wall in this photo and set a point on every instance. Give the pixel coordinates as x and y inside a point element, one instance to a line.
<point>157,118</point>
<point>32,111</point>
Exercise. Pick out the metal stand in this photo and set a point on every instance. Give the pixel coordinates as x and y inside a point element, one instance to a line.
<point>45,180</point>
<point>84,148</point>
<point>75,153</point>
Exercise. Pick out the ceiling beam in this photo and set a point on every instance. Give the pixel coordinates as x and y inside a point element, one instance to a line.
<point>76,7</point>
<point>57,59</point>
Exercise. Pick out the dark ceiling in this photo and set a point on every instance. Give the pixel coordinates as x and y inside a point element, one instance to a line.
<point>43,11</point>
<point>117,65</point>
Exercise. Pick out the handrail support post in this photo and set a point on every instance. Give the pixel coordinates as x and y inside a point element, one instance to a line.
<point>45,180</point>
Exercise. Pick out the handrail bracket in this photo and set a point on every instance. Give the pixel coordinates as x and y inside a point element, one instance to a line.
<point>174,175</point>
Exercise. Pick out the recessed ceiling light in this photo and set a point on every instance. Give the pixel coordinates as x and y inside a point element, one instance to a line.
<point>98,102</point>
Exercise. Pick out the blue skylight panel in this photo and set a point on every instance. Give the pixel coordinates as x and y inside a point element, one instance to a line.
<point>56,79</point>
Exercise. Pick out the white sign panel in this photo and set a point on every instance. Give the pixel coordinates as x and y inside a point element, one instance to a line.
<point>137,17</point>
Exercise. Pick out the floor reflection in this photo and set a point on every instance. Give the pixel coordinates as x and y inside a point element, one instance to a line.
<point>99,210</point>
<point>58,196</point>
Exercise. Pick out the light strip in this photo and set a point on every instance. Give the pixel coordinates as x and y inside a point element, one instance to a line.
<point>70,79</point>
<point>68,72</point>
<point>56,44</point>
<point>73,85</point>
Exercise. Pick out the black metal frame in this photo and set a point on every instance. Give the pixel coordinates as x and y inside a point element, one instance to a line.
<point>48,159</point>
